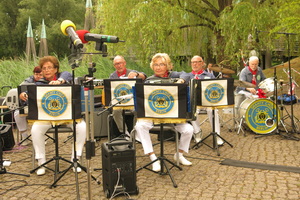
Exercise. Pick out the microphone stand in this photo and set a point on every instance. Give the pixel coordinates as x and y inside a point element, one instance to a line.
<point>119,101</point>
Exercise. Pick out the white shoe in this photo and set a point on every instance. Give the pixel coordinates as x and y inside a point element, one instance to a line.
<point>198,136</point>
<point>41,171</point>
<point>156,166</point>
<point>220,142</point>
<point>78,169</point>
<point>182,160</point>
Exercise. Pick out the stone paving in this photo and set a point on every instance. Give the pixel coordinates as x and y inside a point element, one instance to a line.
<point>205,179</point>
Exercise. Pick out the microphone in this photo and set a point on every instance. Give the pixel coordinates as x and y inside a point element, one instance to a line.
<point>256,35</point>
<point>127,96</point>
<point>86,36</point>
<point>68,28</point>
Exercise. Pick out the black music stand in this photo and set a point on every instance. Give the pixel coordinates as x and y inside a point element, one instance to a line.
<point>214,93</point>
<point>160,100</point>
<point>55,104</point>
<point>114,89</point>
<point>163,160</point>
<point>2,168</point>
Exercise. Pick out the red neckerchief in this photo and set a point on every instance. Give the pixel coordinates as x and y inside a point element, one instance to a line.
<point>166,75</point>
<point>122,74</point>
<point>54,78</point>
<point>253,73</point>
<point>197,73</point>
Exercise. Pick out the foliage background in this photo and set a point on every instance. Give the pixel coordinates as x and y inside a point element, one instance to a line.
<point>216,29</point>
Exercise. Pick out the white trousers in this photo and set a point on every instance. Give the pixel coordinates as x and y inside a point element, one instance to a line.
<point>39,129</point>
<point>143,127</point>
<point>196,123</point>
<point>20,121</point>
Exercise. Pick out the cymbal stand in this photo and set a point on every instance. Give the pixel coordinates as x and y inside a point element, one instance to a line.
<point>287,115</point>
<point>233,119</point>
<point>214,134</point>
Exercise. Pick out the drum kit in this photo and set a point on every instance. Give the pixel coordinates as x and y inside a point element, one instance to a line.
<point>260,115</point>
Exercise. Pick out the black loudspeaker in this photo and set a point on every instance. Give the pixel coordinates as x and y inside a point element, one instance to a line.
<point>118,167</point>
<point>6,135</point>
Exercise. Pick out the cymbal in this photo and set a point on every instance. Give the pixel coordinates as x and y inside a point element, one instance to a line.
<point>223,70</point>
<point>245,84</point>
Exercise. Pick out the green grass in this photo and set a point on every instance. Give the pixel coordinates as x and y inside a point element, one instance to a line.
<point>13,72</point>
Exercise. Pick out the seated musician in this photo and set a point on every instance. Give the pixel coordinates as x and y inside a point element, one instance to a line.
<point>198,72</point>
<point>209,69</point>
<point>122,72</point>
<point>162,66</point>
<point>251,74</point>
<point>21,120</point>
<point>52,76</point>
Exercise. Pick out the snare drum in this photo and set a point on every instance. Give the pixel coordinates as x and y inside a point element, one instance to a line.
<point>267,86</point>
<point>260,115</point>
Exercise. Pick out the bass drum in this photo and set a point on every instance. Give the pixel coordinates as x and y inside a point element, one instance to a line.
<point>260,115</point>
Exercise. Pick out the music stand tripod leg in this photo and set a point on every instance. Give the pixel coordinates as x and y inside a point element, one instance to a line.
<point>2,168</point>
<point>162,160</point>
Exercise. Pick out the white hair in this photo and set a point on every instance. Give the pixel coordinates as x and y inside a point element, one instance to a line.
<point>252,58</point>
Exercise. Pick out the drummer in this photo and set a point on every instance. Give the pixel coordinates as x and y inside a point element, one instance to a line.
<point>251,74</point>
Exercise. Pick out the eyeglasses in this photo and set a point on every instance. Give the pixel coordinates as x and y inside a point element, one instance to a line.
<point>47,68</point>
<point>160,64</point>
<point>196,62</point>
<point>120,63</point>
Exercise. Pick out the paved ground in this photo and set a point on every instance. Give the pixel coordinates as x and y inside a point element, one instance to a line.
<point>205,179</point>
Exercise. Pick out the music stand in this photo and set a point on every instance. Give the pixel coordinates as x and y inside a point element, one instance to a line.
<point>118,95</point>
<point>214,93</point>
<point>6,128</point>
<point>160,103</point>
<point>54,104</point>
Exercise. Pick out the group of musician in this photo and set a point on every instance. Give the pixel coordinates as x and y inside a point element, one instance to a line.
<point>162,69</point>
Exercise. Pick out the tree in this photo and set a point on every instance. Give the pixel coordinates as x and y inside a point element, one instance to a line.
<point>8,20</point>
<point>14,16</point>
<point>215,29</point>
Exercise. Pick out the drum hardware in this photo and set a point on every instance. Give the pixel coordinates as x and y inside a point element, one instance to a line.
<point>234,119</point>
<point>276,115</point>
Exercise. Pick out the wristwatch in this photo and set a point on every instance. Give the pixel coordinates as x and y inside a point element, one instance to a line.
<point>61,80</point>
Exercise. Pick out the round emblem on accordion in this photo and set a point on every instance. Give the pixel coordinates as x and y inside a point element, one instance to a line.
<point>161,101</point>
<point>121,90</point>
<point>54,103</point>
<point>214,93</point>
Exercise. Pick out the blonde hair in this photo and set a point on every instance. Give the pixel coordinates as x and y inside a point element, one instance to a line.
<point>165,58</point>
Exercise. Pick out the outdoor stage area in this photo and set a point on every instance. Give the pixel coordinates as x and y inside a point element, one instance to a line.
<point>254,168</point>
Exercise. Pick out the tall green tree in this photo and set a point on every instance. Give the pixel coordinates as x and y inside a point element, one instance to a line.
<point>14,16</point>
<point>8,19</point>
<point>215,29</point>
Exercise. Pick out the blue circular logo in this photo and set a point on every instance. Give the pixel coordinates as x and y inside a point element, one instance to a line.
<point>261,116</point>
<point>161,101</point>
<point>121,90</point>
<point>214,93</point>
<point>54,103</point>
